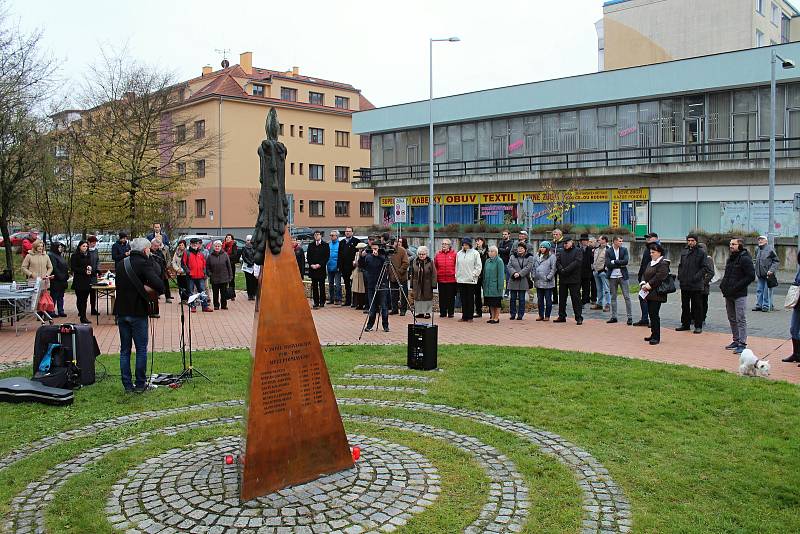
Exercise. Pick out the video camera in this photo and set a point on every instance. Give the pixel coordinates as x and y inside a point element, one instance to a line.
<point>387,246</point>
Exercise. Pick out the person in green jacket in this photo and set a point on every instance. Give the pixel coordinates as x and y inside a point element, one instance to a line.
<point>493,284</point>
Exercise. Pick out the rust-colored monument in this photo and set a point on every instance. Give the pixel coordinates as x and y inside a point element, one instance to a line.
<point>294,430</point>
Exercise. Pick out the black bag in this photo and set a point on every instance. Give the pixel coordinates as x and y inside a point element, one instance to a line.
<point>67,377</point>
<point>78,338</point>
<point>667,286</point>
<point>530,282</point>
<point>230,293</point>
<point>772,280</point>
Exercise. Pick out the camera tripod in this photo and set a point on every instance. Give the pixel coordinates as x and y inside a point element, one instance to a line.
<point>387,265</point>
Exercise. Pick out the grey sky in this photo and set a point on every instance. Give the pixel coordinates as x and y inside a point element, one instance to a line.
<point>380,47</point>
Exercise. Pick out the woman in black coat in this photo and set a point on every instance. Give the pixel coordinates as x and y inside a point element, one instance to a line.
<point>60,277</point>
<point>81,265</point>
<point>656,272</point>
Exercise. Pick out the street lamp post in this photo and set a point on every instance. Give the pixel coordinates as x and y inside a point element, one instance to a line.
<point>786,64</point>
<point>431,224</point>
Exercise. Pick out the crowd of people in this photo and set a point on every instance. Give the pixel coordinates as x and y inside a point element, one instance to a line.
<point>563,272</point>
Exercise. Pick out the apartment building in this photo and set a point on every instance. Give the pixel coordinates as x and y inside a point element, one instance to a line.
<point>642,32</point>
<point>315,125</point>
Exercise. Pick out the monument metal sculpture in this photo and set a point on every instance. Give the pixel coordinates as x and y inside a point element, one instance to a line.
<point>294,429</point>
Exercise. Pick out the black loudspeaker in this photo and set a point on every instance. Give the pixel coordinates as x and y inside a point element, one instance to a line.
<point>423,341</point>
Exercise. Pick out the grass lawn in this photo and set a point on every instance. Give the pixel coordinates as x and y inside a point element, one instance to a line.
<point>693,450</point>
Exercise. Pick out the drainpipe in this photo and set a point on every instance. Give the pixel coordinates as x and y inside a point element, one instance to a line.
<point>219,159</point>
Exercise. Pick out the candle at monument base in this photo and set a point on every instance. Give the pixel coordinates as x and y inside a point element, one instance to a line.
<point>356,451</point>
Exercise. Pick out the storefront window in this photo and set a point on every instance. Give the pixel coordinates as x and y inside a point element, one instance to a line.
<point>672,220</point>
<point>708,217</point>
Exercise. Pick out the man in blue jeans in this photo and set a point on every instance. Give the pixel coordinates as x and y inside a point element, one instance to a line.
<point>131,308</point>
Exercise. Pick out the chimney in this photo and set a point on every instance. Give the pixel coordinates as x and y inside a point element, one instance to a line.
<point>295,71</point>
<point>207,70</point>
<point>246,62</point>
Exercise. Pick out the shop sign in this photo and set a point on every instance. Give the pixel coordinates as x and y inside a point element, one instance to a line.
<point>590,195</point>
<point>641,193</point>
<point>541,196</point>
<point>615,214</point>
<point>498,198</point>
<point>471,198</point>
<point>422,200</point>
<point>387,202</point>
<point>494,209</point>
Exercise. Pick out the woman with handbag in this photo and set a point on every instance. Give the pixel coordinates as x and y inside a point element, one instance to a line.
<point>793,296</point>
<point>519,267</point>
<point>544,279</point>
<point>82,275</point>
<point>220,271</point>
<point>656,272</point>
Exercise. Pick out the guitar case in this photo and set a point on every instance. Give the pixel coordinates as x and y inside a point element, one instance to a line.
<point>18,389</point>
<point>79,340</point>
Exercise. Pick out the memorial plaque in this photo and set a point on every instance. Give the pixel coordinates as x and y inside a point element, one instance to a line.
<point>294,429</point>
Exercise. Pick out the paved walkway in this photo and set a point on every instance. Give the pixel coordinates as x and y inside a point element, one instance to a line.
<point>340,326</point>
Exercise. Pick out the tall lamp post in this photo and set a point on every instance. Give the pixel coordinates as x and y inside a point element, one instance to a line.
<point>431,220</point>
<point>786,64</point>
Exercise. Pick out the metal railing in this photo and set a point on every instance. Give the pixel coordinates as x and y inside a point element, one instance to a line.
<point>754,149</point>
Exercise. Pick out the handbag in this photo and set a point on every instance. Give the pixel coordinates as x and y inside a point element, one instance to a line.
<point>792,297</point>
<point>230,293</point>
<point>667,286</point>
<point>772,280</point>
<point>45,303</point>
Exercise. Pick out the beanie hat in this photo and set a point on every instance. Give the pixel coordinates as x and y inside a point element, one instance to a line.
<point>546,244</point>
<point>467,241</point>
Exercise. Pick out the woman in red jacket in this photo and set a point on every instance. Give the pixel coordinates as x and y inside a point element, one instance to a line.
<point>445,263</point>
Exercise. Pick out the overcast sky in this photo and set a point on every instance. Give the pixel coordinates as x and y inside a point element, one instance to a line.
<point>379,47</point>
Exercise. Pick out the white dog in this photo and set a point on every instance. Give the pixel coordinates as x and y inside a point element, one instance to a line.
<point>749,365</point>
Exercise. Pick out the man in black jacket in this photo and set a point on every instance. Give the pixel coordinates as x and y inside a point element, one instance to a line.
<point>587,248</point>
<point>121,248</point>
<point>504,249</point>
<point>346,263</point>
<point>569,263</point>
<point>691,272</point>
<point>377,294</point>
<point>131,308</point>
<point>318,254</point>
<point>649,238</point>
<point>94,260</point>
<point>739,273</point>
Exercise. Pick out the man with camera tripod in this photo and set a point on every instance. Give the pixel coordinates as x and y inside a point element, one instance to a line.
<point>377,282</point>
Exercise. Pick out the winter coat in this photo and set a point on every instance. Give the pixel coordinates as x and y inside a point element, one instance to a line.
<point>94,255</point>
<point>522,265</point>
<point>708,274</point>
<point>194,264</point>
<point>37,266</point>
<point>544,271</point>
<point>177,263</point>
<point>78,263</point>
<point>621,263</point>
<point>347,255</point>
<point>654,275</point>
<point>58,283</point>
<point>300,257</point>
<point>400,263</point>
<point>372,265</point>
<point>445,266</point>
<point>766,261</point>
<point>161,235</point>
<point>161,261</point>
<point>569,264</point>
<point>332,265</point>
<point>505,249</point>
<point>691,269</point>
<point>588,259</point>
<point>423,279</point>
<point>232,250</point>
<point>599,263</point>
<point>646,259</point>
<point>248,255</point>
<point>218,266</point>
<point>739,273</point>
<point>119,249</point>
<point>468,266</point>
<point>359,285</point>
<point>129,301</point>
<point>318,255</point>
<point>494,277</point>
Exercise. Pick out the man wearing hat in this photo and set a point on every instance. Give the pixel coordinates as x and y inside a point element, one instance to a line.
<point>766,265</point>
<point>569,263</point>
<point>347,262</point>
<point>691,271</point>
<point>468,271</point>
<point>194,265</point>
<point>318,255</point>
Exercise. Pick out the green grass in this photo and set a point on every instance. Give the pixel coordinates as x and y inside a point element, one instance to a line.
<point>693,450</point>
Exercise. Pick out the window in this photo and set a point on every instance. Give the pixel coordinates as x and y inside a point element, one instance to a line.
<point>342,102</point>
<point>181,205</point>
<point>316,136</point>
<point>342,174</point>
<point>316,172</point>
<point>760,6</point>
<point>785,23</point>
<point>280,128</point>
<point>182,94</point>
<point>200,207</point>
<point>300,132</point>
<point>302,206</point>
<point>342,138</point>
<point>301,169</point>
<point>316,208</point>
<point>291,166</point>
<point>291,130</point>
<point>364,140</point>
<point>181,169</point>
<point>341,208</point>
<point>199,129</point>
<point>365,209</point>
<point>287,93</point>
<point>258,90</point>
<point>201,168</point>
<point>316,98</point>
<point>180,133</point>
<point>776,14</point>
<point>759,38</point>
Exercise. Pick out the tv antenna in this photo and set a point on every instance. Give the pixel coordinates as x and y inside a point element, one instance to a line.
<point>224,51</point>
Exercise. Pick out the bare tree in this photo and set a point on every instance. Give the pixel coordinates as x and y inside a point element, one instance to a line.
<point>24,73</point>
<point>138,149</point>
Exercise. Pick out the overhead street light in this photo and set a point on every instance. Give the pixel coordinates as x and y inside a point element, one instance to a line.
<point>786,64</point>
<point>430,144</point>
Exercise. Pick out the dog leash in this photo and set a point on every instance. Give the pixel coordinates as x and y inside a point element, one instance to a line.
<point>775,349</point>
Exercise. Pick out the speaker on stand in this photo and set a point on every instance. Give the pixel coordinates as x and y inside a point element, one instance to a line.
<point>423,346</point>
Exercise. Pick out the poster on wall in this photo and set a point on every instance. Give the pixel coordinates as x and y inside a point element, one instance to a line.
<point>785,219</point>
<point>734,217</point>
